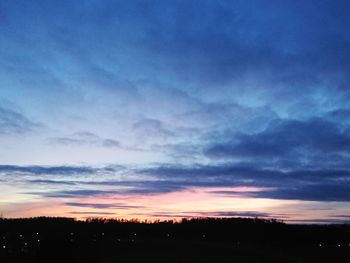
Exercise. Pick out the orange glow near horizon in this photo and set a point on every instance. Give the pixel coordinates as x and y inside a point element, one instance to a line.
<point>192,202</point>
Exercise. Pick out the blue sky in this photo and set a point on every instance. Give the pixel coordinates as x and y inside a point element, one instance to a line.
<point>100,100</point>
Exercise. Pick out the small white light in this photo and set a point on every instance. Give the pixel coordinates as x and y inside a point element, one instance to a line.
<point>3,247</point>
<point>37,233</point>
<point>135,234</point>
<point>38,240</point>
<point>203,236</point>
<point>320,245</point>
<point>25,243</point>
<point>20,235</point>
<point>338,245</point>
<point>102,234</point>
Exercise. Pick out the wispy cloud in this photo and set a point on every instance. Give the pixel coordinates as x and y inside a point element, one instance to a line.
<point>102,205</point>
<point>307,185</point>
<point>91,213</point>
<point>13,122</point>
<point>154,127</point>
<point>75,193</point>
<point>42,170</point>
<point>85,138</point>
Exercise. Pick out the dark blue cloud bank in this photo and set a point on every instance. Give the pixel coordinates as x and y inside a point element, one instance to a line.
<point>181,93</point>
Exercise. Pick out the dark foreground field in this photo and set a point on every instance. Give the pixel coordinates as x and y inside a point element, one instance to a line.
<point>196,240</point>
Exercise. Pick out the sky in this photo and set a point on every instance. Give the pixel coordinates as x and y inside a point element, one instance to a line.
<point>168,109</point>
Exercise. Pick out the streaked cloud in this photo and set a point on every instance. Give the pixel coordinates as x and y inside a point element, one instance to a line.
<point>13,122</point>
<point>102,206</point>
<point>85,138</point>
<point>149,99</point>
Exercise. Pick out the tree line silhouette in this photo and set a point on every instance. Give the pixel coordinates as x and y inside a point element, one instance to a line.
<point>46,239</point>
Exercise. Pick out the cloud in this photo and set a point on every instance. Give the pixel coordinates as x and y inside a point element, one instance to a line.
<point>239,214</point>
<point>111,143</point>
<point>42,170</point>
<point>221,93</point>
<point>75,193</point>
<point>319,221</point>
<point>336,191</point>
<point>51,182</point>
<point>310,185</point>
<point>215,214</point>
<point>293,184</point>
<point>86,138</point>
<point>321,184</point>
<point>114,188</point>
<point>90,213</point>
<point>301,141</point>
<point>102,206</point>
<point>12,122</point>
<point>181,152</point>
<point>153,127</point>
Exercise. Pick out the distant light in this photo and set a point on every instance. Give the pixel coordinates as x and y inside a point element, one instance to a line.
<point>320,245</point>
<point>135,234</point>
<point>3,247</point>
<point>102,234</point>
<point>203,236</point>
<point>71,233</point>
<point>20,235</point>
<point>37,233</point>
<point>338,245</point>
<point>38,240</point>
<point>168,235</point>
<point>25,243</point>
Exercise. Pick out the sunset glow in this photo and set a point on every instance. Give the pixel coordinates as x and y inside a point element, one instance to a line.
<point>172,109</point>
